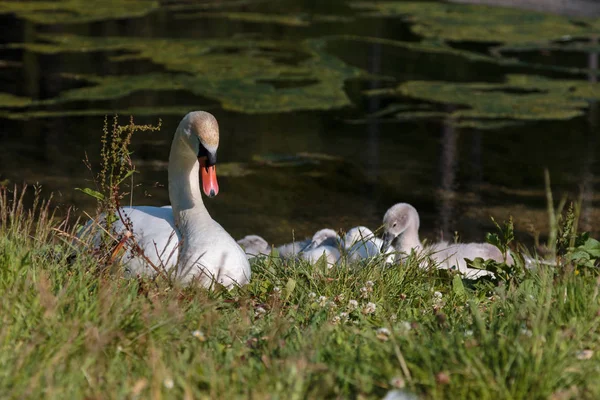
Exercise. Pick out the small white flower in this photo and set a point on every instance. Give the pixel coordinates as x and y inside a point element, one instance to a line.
<point>168,383</point>
<point>437,295</point>
<point>276,289</point>
<point>340,297</point>
<point>468,333</point>
<point>344,316</point>
<point>394,317</point>
<point>331,305</point>
<point>322,301</point>
<point>584,354</point>
<point>198,334</point>
<point>383,334</point>
<point>369,308</point>
<point>119,349</point>
<point>352,305</point>
<point>364,292</point>
<point>405,325</point>
<point>526,332</point>
<point>399,394</point>
<point>398,382</point>
<point>335,320</point>
<point>312,295</point>
<point>259,311</point>
<point>369,284</point>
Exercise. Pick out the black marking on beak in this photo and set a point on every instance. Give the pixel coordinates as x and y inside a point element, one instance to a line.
<point>211,156</point>
<point>309,246</point>
<point>388,238</point>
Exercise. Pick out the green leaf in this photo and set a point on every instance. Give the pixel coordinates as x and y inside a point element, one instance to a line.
<point>91,192</point>
<point>592,246</point>
<point>477,263</point>
<point>127,175</point>
<point>289,287</point>
<point>458,288</point>
<point>579,255</point>
<point>493,238</point>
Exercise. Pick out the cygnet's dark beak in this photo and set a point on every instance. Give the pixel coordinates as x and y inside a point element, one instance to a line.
<point>388,238</point>
<point>309,246</point>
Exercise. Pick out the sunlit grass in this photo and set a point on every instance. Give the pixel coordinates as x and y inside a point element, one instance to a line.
<point>296,331</point>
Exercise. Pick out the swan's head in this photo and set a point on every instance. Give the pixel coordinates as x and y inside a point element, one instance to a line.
<point>396,221</point>
<point>324,237</point>
<point>356,235</point>
<point>201,132</point>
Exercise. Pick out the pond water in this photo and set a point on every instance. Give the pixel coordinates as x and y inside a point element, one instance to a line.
<point>329,112</point>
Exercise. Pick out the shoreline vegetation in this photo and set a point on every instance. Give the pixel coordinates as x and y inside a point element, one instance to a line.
<point>73,327</point>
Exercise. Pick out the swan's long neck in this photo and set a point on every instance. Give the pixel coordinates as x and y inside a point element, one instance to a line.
<point>184,186</point>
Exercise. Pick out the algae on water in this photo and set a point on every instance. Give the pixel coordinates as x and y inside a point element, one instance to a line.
<point>452,22</point>
<point>246,75</point>
<point>297,20</point>
<point>520,98</point>
<point>83,11</point>
<point>8,100</point>
<point>77,11</point>
<point>251,75</point>
<point>441,25</point>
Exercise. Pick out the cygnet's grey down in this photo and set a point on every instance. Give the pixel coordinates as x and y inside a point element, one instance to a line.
<point>291,250</point>
<point>401,227</point>
<point>324,243</point>
<point>360,243</point>
<point>254,246</point>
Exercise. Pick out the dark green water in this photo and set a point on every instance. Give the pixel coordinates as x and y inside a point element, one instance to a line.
<point>455,109</point>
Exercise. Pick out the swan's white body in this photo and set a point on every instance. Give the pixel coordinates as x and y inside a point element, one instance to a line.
<point>184,239</point>
<point>401,225</point>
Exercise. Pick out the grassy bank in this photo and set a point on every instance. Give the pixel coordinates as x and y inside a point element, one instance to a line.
<point>69,330</point>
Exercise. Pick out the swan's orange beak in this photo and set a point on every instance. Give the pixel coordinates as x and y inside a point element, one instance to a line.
<point>210,186</point>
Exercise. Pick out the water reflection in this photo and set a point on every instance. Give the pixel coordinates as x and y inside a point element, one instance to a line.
<point>447,192</point>
<point>372,153</point>
<point>587,181</point>
<point>456,177</point>
<point>573,8</point>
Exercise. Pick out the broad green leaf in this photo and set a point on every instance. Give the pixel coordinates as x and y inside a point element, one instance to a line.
<point>458,288</point>
<point>91,192</point>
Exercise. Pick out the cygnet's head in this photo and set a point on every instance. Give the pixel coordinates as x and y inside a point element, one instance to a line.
<point>396,221</point>
<point>356,235</point>
<point>324,237</point>
<point>200,132</point>
<point>254,244</point>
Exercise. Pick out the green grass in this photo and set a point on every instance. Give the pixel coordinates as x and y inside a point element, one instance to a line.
<point>68,331</point>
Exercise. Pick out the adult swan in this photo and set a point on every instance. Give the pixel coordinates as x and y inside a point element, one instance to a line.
<point>183,239</point>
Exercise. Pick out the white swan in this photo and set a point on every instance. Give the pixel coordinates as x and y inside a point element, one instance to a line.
<point>254,246</point>
<point>324,243</point>
<point>401,227</point>
<point>184,240</point>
